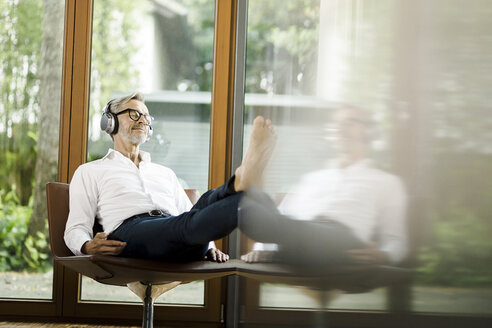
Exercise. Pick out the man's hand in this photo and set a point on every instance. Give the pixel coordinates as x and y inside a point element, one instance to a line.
<point>258,256</point>
<point>100,246</point>
<point>368,255</point>
<point>215,255</point>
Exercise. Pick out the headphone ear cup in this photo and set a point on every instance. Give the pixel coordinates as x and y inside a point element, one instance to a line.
<point>150,132</point>
<point>116,124</point>
<point>109,123</point>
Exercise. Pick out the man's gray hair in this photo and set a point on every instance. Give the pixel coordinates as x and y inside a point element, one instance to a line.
<point>117,104</point>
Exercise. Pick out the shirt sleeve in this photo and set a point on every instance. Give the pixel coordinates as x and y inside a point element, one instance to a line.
<point>264,247</point>
<point>392,225</point>
<point>298,201</point>
<point>83,207</point>
<point>182,201</point>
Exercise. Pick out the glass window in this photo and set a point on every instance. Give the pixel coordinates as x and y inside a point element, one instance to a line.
<point>31,48</point>
<point>163,49</point>
<point>413,71</point>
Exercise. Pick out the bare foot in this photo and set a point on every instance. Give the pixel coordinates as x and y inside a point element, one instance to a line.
<point>258,256</point>
<point>261,144</point>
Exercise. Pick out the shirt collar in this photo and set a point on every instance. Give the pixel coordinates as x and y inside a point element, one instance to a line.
<point>111,154</point>
<point>363,163</point>
<point>145,156</point>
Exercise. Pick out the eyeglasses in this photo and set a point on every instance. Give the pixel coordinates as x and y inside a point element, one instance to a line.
<point>346,123</point>
<point>135,115</point>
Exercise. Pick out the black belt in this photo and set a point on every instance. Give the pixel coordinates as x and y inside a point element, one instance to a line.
<point>153,213</point>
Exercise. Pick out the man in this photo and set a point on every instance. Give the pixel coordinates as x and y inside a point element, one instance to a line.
<point>141,206</point>
<point>359,209</point>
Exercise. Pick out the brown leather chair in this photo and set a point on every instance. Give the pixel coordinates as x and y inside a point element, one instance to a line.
<point>149,279</point>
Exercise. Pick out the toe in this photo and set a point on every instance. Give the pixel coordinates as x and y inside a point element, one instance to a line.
<point>259,120</point>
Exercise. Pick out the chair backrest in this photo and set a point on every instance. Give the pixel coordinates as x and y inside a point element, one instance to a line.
<point>193,195</point>
<point>57,194</point>
<point>58,200</point>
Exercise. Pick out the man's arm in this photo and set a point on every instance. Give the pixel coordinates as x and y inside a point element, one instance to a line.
<point>182,202</point>
<point>393,224</point>
<point>83,207</point>
<point>100,245</point>
<point>391,227</point>
<point>83,202</point>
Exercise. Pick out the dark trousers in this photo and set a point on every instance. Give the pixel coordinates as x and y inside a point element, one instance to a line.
<point>319,243</point>
<point>184,237</point>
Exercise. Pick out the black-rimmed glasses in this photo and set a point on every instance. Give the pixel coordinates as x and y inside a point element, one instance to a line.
<point>135,115</point>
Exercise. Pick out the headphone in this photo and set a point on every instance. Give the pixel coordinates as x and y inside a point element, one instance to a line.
<point>109,121</point>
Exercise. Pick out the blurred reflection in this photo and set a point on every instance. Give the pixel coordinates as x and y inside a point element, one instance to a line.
<point>419,66</point>
<point>348,213</point>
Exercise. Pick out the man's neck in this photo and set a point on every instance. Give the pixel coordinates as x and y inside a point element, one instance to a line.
<point>353,157</point>
<point>130,151</point>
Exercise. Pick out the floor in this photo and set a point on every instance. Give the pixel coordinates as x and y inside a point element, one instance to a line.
<point>4,324</point>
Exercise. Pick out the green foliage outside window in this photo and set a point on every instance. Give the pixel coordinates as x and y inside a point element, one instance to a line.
<point>114,43</point>
<point>462,255</point>
<point>18,250</point>
<point>20,43</point>
<point>281,40</point>
<point>23,247</point>
<point>458,251</point>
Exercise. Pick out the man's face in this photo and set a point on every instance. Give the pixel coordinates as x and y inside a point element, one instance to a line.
<point>130,131</point>
<point>349,129</point>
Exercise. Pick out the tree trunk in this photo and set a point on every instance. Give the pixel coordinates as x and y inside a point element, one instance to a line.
<point>49,115</point>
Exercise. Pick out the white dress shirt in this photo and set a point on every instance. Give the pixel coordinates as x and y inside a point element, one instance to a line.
<point>113,189</point>
<point>367,200</point>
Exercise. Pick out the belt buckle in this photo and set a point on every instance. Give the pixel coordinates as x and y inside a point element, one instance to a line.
<point>156,213</point>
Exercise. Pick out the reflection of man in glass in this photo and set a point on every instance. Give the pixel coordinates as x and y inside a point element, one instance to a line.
<point>349,200</point>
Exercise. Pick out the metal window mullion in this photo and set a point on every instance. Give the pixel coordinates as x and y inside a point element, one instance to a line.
<point>232,313</point>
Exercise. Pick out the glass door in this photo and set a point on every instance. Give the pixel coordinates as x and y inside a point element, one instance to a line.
<point>165,51</point>
<point>410,73</point>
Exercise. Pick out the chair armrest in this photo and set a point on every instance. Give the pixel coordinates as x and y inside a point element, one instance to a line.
<point>86,266</point>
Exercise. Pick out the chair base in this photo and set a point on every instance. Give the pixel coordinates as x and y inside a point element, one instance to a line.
<point>148,293</point>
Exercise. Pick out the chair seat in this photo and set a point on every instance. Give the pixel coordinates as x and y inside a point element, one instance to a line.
<point>120,271</point>
<point>349,278</point>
